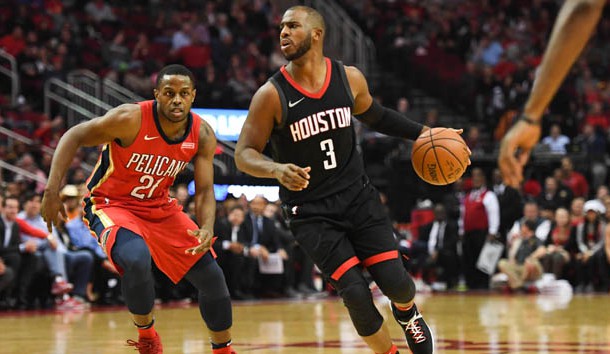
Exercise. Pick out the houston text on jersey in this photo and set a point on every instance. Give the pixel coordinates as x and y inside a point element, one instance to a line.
<point>320,122</point>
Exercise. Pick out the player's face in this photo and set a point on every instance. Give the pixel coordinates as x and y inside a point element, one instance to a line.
<point>295,39</point>
<point>175,96</point>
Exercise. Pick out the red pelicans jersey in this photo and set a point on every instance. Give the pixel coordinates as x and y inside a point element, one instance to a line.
<point>129,188</point>
<point>140,175</point>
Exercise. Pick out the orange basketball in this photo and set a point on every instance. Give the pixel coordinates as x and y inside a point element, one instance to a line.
<point>440,156</point>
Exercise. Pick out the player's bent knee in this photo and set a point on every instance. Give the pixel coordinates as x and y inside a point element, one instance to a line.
<point>131,252</point>
<point>358,299</point>
<point>394,281</point>
<point>217,314</point>
<point>207,276</point>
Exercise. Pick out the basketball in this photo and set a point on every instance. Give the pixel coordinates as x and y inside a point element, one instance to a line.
<point>440,156</point>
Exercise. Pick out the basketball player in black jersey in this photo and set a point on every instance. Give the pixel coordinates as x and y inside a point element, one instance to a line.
<point>335,214</point>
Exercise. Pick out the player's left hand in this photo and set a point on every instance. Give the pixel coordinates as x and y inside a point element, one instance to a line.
<point>205,241</point>
<point>515,150</point>
<point>52,209</point>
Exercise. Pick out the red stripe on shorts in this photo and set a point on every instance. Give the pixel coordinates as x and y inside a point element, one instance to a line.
<point>381,257</point>
<point>347,265</point>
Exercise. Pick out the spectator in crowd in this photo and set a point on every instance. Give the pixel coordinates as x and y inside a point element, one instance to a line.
<point>9,255</point>
<point>596,117</point>
<point>587,237</point>
<point>13,43</point>
<point>555,256</point>
<point>475,142</point>
<point>288,244</point>
<point>522,266</point>
<point>592,144</point>
<point>230,248</point>
<point>441,237</point>
<point>577,211</point>
<point>63,263</point>
<point>21,257</point>
<point>556,141</point>
<point>79,238</point>
<point>51,249</point>
<point>572,179</point>
<point>100,11</point>
<point>531,212</point>
<point>116,54</point>
<point>480,221</point>
<point>263,241</point>
<point>488,51</point>
<point>182,37</point>
<point>509,201</point>
<point>601,261</point>
<point>554,195</point>
<point>28,163</point>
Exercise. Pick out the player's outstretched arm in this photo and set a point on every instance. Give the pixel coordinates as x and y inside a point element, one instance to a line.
<point>265,108</point>
<point>205,202</point>
<point>118,123</point>
<point>571,31</point>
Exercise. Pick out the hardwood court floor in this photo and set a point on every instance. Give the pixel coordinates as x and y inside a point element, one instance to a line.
<point>463,323</point>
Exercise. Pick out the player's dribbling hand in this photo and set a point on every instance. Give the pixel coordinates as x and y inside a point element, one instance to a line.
<point>515,150</point>
<point>460,131</point>
<point>52,210</point>
<point>205,241</point>
<point>292,177</point>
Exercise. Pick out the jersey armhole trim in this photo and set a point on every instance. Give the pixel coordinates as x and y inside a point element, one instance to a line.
<point>345,81</point>
<point>283,103</point>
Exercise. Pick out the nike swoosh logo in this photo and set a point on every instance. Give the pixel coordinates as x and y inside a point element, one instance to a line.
<point>146,137</point>
<point>292,104</point>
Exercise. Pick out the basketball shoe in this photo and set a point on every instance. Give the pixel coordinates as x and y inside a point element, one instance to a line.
<point>147,345</point>
<point>418,334</point>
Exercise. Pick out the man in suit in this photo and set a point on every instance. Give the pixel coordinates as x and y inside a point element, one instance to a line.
<point>229,247</point>
<point>263,240</point>
<point>7,273</point>
<point>17,258</point>
<point>440,238</point>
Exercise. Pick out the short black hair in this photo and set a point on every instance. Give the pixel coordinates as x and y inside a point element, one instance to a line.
<point>29,196</point>
<point>234,207</point>
<point>530,224</point>
<point>10,197</point>
<point>314,17</point>
<point>175,69</point>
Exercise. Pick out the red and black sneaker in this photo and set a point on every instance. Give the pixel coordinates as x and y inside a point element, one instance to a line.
<point>147,345</point>
<point>418,334</point>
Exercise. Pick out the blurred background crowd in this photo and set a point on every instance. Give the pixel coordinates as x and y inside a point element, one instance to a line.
<point>463,63</point>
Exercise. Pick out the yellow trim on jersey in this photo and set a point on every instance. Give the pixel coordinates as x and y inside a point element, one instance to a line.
<point>105,219</point>
<point>110,169</point>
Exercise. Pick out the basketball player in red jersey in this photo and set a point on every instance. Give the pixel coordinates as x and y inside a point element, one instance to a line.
<point>335,214</point>
<point>129,210</point>
<point>572,29</point>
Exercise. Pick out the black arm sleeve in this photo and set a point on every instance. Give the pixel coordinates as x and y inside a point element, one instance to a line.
<point>390,122</point>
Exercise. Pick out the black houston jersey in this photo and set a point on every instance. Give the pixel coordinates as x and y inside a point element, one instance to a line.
<point>316,130</point>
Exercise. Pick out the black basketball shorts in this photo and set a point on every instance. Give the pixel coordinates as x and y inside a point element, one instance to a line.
<point>347,229</point>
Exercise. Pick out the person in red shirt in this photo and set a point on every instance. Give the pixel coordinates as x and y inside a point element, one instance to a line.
<point>129,208</point>
<point>574,180</point>
<point>14,42</point>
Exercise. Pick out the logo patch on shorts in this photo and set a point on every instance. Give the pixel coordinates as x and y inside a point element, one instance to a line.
<point>104,238</point>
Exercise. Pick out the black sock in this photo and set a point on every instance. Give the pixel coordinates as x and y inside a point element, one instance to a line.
<point>221,345</point>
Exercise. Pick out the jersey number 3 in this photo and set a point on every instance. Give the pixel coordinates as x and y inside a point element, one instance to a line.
<point>148,183</point>
<point>328,147</point>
